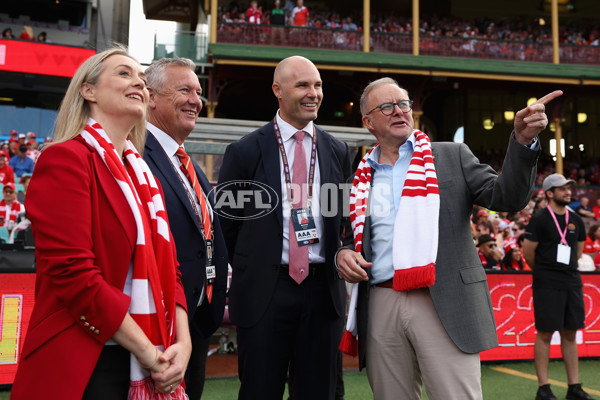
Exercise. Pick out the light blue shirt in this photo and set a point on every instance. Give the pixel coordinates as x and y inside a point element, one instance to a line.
<point>386,189</point>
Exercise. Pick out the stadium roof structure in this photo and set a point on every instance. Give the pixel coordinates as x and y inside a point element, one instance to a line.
<point>516,71</point>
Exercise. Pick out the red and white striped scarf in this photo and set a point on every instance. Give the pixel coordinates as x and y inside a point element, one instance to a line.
<point>10,213</point>
<point>154,269</point>
<point>415,240</point>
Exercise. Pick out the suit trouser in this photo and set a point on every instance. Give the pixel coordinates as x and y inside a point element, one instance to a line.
<point>300,331</point>
<point>110,379</point>
<point>196,370</point>
<point>407,345</point>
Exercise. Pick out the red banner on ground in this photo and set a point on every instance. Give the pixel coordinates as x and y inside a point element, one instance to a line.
<point>513,309</point>
<point>16,303</point>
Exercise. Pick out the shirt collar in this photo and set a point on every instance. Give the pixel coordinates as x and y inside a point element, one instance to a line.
<point>407,146</point>
<point>287,131</point>
<point>168,144</point>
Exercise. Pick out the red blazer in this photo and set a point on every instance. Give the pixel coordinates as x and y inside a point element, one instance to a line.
<point>85,236</point>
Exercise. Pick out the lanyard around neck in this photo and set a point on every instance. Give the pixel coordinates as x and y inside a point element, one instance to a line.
<point>563,234</point>
<point>286,167</point>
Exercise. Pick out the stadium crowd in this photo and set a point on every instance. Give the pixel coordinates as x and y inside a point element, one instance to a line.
<point>511,29</point>
<point>18,156</point>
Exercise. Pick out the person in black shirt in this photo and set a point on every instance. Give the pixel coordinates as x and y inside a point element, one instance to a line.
<point>553,243</point>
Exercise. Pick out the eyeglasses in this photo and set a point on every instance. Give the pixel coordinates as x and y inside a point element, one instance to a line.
<point>388,108</point>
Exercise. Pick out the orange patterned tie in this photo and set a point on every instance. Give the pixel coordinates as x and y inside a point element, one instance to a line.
<point>190,173</point>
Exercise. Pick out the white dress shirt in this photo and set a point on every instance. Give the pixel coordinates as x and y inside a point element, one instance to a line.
<point>316,252</point>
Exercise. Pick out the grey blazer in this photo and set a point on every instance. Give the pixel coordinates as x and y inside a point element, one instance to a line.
<point>461,294</point>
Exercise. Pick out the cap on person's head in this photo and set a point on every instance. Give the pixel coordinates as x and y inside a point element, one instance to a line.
<point>31,134</point>
<point>555,180</point>
<point>21,136</point>
<point>509,245</point>
<point>484,239</point>
<point>483,213</point>
<point>12,139</point>
<point>503,225</point>
<point>48,139</point>
<point>3,153</point>
<point>13,132</point>
<point>9,185</point>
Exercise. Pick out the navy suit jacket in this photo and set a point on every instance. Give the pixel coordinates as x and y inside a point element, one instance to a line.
<point>255,245</point>
<point>190,244</point>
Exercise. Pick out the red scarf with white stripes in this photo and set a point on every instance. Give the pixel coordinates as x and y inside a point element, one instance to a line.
<point>154,269</point>
<point>13,212</point>
<point>415,239</point>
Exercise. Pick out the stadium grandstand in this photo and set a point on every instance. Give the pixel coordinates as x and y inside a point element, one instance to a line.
<point>468,65</point>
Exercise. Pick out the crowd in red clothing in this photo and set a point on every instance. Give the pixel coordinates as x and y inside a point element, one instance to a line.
<point>533,30</point>
<point>20,148</point>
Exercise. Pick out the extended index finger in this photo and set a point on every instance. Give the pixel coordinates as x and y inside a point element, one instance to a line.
<point>550,96</point>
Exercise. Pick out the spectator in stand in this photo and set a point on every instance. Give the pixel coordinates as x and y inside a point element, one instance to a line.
<point>488,251</point>
<point>7,34</point>
<point>42,37</point>
<point>21,139</point>
<point>540,204</point>
<point>21,164</point>
<point>513,258</point>
<point>584,210</point>
<point>591,245</point>
<point>277,14</point>
<point>5,148</point>
<point>596,209</point>
<point>12,147</point>
<point>32,151</point>
<point>482,215</point>
<point>517,229</point>
<point>254,13</point>
<point>25,179</point>
<point>300,14</point>
<point>27,33</point>
<point>10,208</point>
<point>6,172</point>
<point>485,227</point>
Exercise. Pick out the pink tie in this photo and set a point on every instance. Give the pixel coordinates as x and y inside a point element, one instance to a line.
<point>298,255</point>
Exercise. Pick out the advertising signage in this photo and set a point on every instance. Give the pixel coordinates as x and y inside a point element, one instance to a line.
<point>41,58</point>
<point>515,325</point>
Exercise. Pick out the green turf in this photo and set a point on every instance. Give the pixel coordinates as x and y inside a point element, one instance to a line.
<point>496,385</point>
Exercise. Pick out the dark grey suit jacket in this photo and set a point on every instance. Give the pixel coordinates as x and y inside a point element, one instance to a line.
<point>461,294</point>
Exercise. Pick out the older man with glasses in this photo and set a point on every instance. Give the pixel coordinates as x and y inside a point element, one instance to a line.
<point>423,308</point>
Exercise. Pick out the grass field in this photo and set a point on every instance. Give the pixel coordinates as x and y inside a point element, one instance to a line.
<point>515,381</point>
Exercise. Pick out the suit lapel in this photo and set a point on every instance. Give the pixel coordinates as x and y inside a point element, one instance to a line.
<point>324,154</point>
<point>270,158</point>
<point>171,178</point>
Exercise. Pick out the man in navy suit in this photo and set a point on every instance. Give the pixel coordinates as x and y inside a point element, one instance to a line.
<point>288,314</point>
<point>174,107</point>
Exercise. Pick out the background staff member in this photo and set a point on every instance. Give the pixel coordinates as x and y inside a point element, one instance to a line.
<point>553,243</point>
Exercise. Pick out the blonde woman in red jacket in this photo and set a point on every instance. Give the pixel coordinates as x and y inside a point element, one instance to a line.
<point>109,321</point>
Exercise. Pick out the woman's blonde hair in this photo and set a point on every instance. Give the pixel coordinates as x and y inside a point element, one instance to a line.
<point>74,110</point>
